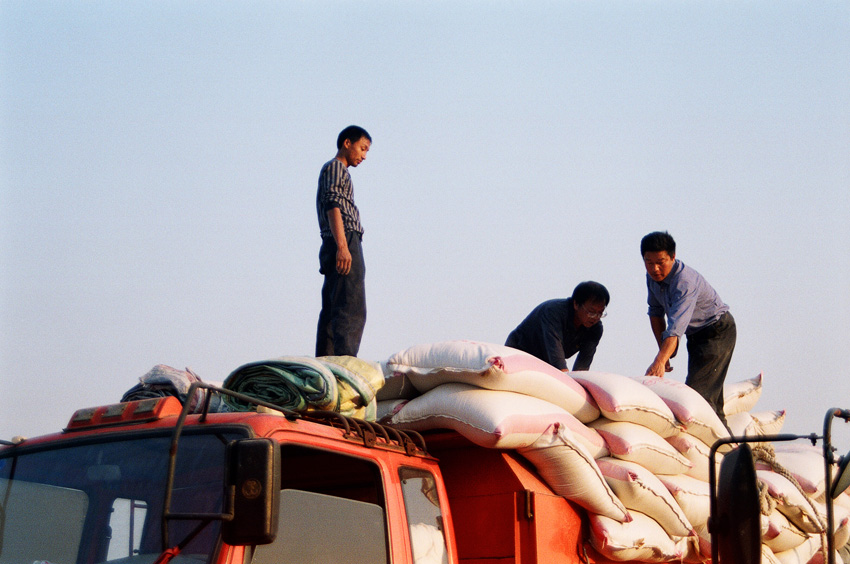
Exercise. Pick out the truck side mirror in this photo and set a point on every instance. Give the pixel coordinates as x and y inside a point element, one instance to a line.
<point>842,480</point>
<point>253,478</point>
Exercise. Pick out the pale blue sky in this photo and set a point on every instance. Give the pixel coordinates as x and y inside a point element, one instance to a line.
<point>159,166</point>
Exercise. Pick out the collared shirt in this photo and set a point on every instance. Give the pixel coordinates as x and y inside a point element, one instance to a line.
<point>336,191</point>
<point>688,301</point>
<point>550,334</point>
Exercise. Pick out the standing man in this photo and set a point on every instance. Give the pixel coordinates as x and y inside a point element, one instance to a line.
<point>343,314</point>
<point>692,308</point>
<point>557,329</point>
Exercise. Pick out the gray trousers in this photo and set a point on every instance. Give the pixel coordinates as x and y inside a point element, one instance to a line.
<point>343,314</point>
<point>709,353</point>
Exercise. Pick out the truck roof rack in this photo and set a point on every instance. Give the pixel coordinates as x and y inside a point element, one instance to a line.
<point>372,434</point>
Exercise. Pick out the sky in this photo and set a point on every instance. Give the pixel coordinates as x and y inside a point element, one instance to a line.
<point>159,163</point>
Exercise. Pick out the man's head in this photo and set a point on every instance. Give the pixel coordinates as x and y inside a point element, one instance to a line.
<point>659,254</point>
<point>352,145</point>
<point>589,302</point>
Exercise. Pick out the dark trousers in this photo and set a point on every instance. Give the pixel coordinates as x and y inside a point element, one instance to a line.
<point>709,353</point>
<point>343,314</point>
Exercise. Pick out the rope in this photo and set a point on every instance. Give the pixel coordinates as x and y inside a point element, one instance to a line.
<point>767,453</point>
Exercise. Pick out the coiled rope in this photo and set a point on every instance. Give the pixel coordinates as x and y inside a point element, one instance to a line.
<point>767,504</point>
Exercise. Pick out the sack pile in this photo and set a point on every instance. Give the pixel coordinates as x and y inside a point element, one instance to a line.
<point>634,452</point>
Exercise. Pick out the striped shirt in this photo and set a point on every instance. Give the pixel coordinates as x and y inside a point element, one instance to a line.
<point>336,191</point>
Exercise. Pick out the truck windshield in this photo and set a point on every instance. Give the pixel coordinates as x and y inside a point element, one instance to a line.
<point>101,501</point>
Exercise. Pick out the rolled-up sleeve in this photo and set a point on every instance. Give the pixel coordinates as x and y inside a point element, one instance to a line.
<point>656,308</point>
<point>332,186</point>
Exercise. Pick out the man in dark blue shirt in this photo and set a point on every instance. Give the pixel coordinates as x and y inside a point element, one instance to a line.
<point>557,329</point>
<point>692,308</point>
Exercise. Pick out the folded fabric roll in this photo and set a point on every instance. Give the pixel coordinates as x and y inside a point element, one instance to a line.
<point>359,381</point>
<point>343,384</point>
<point>296,383</point>
<point>164,381</point>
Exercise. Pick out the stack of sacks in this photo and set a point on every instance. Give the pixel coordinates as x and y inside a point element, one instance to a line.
<point>634,452</point>
<point>344,384</point>
<point>793,476</point>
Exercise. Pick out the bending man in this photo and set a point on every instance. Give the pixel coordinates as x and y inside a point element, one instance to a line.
<point>557,329</point>
<point>692,308</point>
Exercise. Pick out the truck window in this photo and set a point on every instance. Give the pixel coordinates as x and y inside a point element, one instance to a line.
<point>127,524</point>
<point>46,516</point>
<point>424,516</point>
<point>332,509</point>
<point>100,499</point>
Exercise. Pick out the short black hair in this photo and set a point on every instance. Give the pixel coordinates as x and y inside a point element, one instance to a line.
<point>353,133</point>
<point>656,242</point>
<point>590,291</point>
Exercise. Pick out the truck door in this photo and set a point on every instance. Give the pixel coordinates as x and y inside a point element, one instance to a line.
<point>332,509</point>
<point>424,516</point>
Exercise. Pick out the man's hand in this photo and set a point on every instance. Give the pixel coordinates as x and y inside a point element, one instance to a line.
<point>343,260</point>
<point>658,369</point>
<point>343,255</point>
<point>666,349</point>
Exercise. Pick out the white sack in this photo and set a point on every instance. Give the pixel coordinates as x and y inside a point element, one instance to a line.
<point>386,409</point>
<point>689,407</point>
<point>842,530</point>
<point>741,396</point>
<point>491,366</point>
<point>801,554</point>
<point>567,467</point>
<point>636,443</point>
<point>781,534</point>
<point>620,398</point>
<point>692,495</point>
<point>697,453</point>
<point>491,418</point>
<point>768,556</point>
<point>396,386</point>
<point>694,549</point>
<point>640,490</point>
<point>641,540</point>
<point>790,501</point>
<point>756,424</point>
<point>804,462</point>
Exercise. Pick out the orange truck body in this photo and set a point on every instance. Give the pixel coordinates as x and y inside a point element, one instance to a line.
<point>491,506</point>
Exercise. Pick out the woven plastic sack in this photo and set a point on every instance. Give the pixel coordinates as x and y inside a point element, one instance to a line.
<point>768,556</point>
<point>742,396</point>
<point>569,469</point>
<point>491,418</point>
<point>692,495</point>
<point>621,398</point>
<point>638,444</point>
<point>802,554</point>
<point>804,462</point>
<point>396,386</point>
<point>388,408</point>
<point>790,501</point>
<point>494,367</point>
<point>697,453</point>
<point>759,424</point>
<point>781,534</point>
<point>689,407</point>
<point>640,490</point>
<point>641,540</point>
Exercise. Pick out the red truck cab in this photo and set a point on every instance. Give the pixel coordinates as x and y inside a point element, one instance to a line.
<point>144,482</point>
